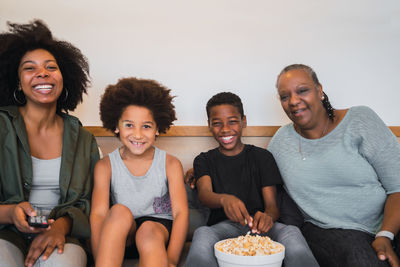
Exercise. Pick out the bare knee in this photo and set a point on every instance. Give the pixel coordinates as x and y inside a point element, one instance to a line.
<point>149,235</point>
<point>121,214</point>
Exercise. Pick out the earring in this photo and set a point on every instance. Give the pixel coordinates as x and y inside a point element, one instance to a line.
<point>66,95</point>
<point>15,95</point>
<point>323,98</point>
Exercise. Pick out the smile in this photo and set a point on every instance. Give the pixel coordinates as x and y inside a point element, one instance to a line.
<point>137,143</point>
<point>297,112</point>
<point>226,139</point>
<point>44,88</point>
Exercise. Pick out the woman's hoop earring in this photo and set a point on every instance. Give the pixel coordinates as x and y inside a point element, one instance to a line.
<point>66,95</point>
<point>16,98</point>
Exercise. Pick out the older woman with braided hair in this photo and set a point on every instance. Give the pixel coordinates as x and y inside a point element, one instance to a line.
<point>342,168</point>
<point>47,158</point>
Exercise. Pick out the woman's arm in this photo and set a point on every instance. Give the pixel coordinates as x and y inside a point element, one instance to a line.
<point>180,211</point>
<point>6,213</point>
<point>391,223</point>
<point>391,217</point>
<point>100,200</point>
<point>16,214</point>
<point>382,150</point>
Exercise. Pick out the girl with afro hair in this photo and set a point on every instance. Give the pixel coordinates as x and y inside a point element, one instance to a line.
<point>148,213</point>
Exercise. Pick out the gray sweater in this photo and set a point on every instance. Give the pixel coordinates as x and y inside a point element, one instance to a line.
<point>346,175</point>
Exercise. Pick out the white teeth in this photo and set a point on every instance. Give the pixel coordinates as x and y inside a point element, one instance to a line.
<point>43,86</point>
<point>227,139</point>
<point>137,143</point>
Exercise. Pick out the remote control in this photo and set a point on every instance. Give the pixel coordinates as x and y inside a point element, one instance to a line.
<point>38,221</point>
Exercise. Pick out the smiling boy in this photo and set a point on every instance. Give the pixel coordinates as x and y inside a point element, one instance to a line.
<point>237,182</point>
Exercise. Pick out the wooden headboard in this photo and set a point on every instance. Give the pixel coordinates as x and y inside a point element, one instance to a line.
<point>259,131</point>
<point>186,142</point>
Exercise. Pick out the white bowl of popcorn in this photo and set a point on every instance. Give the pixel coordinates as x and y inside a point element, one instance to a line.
<point>249,250</point>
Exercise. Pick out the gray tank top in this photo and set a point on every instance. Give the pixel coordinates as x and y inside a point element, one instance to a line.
<point>146,195</point>
<point>45,192</point>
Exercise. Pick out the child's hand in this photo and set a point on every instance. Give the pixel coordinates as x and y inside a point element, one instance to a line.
<point>235,209</point>
<point>262,223</point>
<point>189,178</point>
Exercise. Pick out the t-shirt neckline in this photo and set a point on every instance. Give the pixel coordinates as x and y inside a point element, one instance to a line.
<point>331,133</point>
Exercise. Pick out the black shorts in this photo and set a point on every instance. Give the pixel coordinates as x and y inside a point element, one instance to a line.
<point>166,222</point>
<point>131,252</point>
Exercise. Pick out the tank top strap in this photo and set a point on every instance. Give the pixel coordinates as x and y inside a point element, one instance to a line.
<point>115,160</point>
<point>159,160</point>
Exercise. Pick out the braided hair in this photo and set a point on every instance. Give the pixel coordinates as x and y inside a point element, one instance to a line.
<point>328,107</point>
<point>325,100</point>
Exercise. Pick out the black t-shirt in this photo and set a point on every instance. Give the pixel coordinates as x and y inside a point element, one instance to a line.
<point>243,176</point>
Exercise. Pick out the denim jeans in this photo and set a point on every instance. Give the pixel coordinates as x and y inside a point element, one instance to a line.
<point>297,252</point>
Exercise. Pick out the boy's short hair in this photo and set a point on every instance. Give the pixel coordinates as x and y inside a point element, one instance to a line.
<point>139,92</point>
<point>225,98</point>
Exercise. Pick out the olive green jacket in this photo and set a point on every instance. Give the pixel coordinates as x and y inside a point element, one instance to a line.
<point>79,156</point>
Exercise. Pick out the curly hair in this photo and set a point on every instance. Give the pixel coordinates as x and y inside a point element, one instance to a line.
<point>23,38</point>
<point>138,92</point>
<point>325,100</point>
<point>225,98</point>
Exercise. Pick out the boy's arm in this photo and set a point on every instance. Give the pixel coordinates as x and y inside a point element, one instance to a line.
<point>271,207</point>
<point>263,221</point>
<point>180,211</point>
<point>189,178</point>
<point>233,207</point>
<point>100,200</point>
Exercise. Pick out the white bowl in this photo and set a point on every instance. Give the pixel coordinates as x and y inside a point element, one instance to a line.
<point>232,260</point>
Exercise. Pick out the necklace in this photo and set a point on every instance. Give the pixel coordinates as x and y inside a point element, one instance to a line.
<point>303,156</point>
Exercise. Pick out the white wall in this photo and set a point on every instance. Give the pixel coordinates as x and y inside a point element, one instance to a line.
<point>198,48</point>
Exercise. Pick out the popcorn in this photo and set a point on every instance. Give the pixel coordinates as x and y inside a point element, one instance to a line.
<point>249,245</point>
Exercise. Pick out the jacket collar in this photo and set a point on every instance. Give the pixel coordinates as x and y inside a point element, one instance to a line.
<point>70,141</point>
<point>19,124</point>
<point>12,111</point>
<point>70,146</point>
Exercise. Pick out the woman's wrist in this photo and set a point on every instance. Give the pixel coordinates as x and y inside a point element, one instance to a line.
<point>386,234</point>
<point>9,212</point>
<point>63,224</point>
